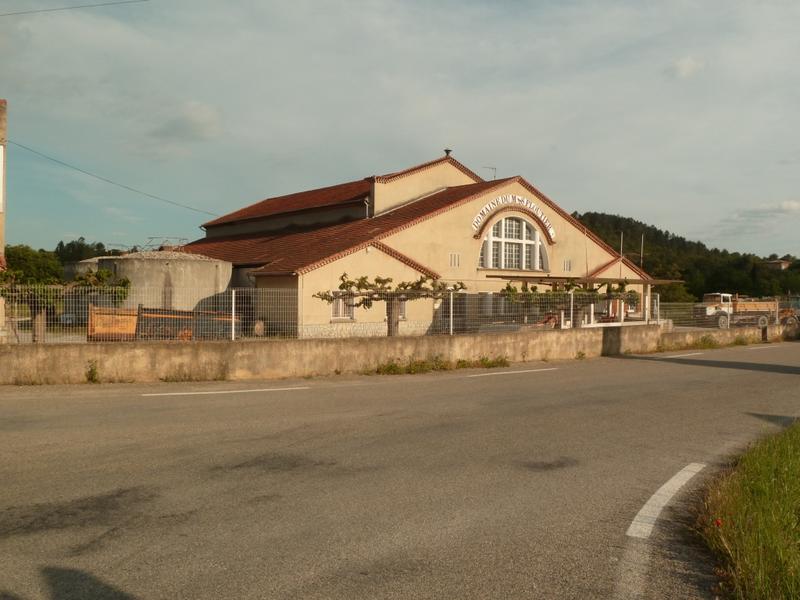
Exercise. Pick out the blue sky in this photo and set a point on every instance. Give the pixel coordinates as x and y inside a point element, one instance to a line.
<point>682,114</point>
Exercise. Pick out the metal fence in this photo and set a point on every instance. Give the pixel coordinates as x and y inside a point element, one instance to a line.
<point>73,314</point>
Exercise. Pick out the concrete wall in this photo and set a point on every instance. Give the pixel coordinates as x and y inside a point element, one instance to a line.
<point>195,361</point>
<point>201,361</point>
<point>752,335</point>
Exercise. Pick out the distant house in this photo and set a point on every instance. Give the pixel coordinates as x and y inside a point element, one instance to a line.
<point>778,265</point>
<point>437,219</point>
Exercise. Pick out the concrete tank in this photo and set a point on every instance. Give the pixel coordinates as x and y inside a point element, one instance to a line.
<point>167,279</point>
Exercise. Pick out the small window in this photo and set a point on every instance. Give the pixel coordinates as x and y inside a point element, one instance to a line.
<point>455,259</point>
<point>403,316</point>
<point>567,265</point>
<point>342,308</point>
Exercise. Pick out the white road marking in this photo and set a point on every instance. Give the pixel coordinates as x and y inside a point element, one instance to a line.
<point>513,372</point>
<point>286,389</point>
<point>646,518</point>
<point>762,347</point>
<point>682,355</point>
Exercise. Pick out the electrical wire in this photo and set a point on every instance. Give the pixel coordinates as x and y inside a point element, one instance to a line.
<point>45,10</point>
<point>110,181</point>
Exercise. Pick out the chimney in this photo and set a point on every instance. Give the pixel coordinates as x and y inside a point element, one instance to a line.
<point>3,129</point>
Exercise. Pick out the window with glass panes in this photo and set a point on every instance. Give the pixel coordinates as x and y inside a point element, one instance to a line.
<point>513,243</point>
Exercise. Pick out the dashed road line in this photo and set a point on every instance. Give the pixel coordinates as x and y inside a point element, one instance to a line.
<point>682,355</point>
<point>645,519</point>
<point>286,389</point>
<point>762,347</point>
<point>513,372</point>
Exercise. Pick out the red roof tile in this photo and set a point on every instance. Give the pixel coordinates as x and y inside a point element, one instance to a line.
<point>334,195</point>
<point>302,250</point>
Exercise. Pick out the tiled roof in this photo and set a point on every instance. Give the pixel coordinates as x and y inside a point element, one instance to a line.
<point>335,195</point>
<point>301,250</point>
<point>424,166</point>
<point>331,196</point>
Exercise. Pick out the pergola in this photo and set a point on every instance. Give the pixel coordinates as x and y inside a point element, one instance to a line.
<point>546,279</point>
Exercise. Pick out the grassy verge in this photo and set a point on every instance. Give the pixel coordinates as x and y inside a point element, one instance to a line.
<point>751,520</point>
<point>436,363</point>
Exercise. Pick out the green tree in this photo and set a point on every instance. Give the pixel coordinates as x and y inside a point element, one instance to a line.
<point>77,250</point>
<point>28,266</point>
<point>364,292</point>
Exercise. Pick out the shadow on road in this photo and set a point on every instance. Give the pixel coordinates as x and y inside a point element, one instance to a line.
<point>719,364</point>
<point>72,584</point>
<point>779,420</point>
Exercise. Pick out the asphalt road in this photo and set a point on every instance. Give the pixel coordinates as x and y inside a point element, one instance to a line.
<point>506,485</point>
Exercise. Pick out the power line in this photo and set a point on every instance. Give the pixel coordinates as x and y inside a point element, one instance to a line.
<point>106,180</point>
<point>44,10</point>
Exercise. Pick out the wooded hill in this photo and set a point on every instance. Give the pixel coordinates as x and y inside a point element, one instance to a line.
<point>703,269</point>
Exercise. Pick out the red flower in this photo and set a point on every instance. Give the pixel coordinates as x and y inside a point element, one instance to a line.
<point>718,522</point>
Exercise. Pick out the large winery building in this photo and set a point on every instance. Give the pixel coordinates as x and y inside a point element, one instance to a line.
<point>438,219</point>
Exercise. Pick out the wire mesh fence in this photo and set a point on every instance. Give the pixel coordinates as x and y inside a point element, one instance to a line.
<point>75,314</point>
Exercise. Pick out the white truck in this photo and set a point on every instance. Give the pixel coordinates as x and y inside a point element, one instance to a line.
<point>722,310</point>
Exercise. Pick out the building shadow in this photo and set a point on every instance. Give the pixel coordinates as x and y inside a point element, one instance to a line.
<point>612,341</point>
<point>718,364</point>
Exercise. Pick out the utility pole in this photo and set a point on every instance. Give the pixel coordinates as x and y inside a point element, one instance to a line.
<point>3,142</point>
<point>641,254</point>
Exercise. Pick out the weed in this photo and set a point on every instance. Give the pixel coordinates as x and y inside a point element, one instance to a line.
<point>707,342</point>
<point>390,368</point>
<point>749,519</point>
<point>92,375</point>
<point>491,363</point>
<point>580,355</point>
<point>740,340</point>
<point>437,363</point>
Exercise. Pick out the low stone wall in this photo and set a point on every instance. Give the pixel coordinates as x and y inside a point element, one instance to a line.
<point>201,361</point>
<point>197,361</point>
<point>724,337</point>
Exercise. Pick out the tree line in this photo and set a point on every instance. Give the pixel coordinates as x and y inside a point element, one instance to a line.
<point>27,265</point>
<point>703,269</point>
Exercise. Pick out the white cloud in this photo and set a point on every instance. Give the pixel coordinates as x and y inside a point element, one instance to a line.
<point>196,122</point>
<point>686,67</point>
<point>571,95</point>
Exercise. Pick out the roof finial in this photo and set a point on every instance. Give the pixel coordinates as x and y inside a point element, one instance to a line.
<point>447,151</point>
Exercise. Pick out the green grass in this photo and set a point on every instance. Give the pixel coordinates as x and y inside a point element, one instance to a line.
<point>413,366</point>
<point>751,520</point>
<point>707,342</point>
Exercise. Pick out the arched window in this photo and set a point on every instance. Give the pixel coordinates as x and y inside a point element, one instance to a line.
<point>513,243</point>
